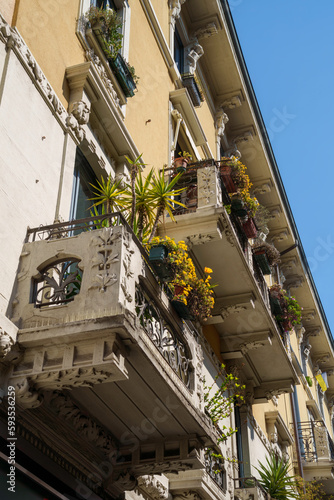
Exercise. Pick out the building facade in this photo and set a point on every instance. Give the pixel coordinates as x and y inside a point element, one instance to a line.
<point>107,385</point>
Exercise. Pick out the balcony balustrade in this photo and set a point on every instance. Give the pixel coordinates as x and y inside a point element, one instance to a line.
<point>249,488</point>
<point>91,315</point>
<point>315,441</point>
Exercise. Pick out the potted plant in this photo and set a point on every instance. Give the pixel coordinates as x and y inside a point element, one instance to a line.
<point>287,311</point>
<point>266,255</point>
<point>107,27</point>
<point>192,297</point>
<point>181,162</point>
<point>250,228</point>
<point>238,206</point>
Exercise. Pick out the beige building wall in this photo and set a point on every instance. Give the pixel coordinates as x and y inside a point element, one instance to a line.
<point>49,29</point>
<point>147,117</point>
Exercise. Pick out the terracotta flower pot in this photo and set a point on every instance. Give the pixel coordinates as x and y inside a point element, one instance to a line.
<point>180,164</point>
<point>250,228</point>
<point>226,175</point>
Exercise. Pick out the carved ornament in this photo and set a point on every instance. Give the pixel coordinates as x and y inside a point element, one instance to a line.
<point>153,487</point>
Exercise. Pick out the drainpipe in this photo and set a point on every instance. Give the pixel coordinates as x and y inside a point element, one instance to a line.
<point>295,430</point>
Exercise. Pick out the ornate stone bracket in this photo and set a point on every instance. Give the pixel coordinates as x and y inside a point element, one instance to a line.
<point>105,364</point>
<point>193,52</point>
<point>206,31</point>
<point>320,360</point>
<point>153,487</point>
<point>175,10</point>
<point>221,120</point>
<point>262,187</point>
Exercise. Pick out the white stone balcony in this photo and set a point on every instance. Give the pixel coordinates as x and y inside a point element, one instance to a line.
<point>100,341</point>
<point>242,316</point>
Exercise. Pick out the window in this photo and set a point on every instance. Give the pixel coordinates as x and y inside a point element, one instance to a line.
<point>178,52</point>
<point>82,192</point>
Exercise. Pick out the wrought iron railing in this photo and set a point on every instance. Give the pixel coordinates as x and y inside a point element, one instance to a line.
<point>73,227</point>
<point>163,335</point>
<point>315,441</point>
<point>215,468</point>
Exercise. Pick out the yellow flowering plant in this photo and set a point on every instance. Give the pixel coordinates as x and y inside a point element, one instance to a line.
<point>184,285</point>
<point>242,181</point>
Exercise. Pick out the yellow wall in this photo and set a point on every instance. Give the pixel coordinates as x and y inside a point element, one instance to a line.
<point>162,12</point>
<point>207,121</point>
<point>49,29</point>
<point>147,112</point>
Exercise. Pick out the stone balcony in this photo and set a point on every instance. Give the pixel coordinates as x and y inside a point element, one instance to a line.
<point>317,453</point>
<point>242,318</point>
<point>99,341</point>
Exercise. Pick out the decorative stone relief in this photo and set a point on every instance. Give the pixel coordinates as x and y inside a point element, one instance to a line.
<point>226,229</point>
<point>206,31</point>
<point>263,188</point>
<point>311,332</point>
<point>308,315</point>
<point>26,396</point>
<point>306,351</point>
<point>83,424</point>
<point>295,281</point>
<point>221,120</point>
<point>127,267</point>
<point>193,52</point>
<point>175,10</point>
<point>106,258</point>
<point>289,265</point>
<point>91,56</point>
<point>172,467</point>
<point>81,111</point>
<point>233,309</point>
<point>245,137</point>
<point>322,359</point>
<point>198,239</point>
<point>6,343</point>
<point>275,213</point>
<point>235,101</point>
<point>187,495</point>
<point>280,236</point>
<point>208,187</point>
<point>251,346</point>
<point>153,487</point>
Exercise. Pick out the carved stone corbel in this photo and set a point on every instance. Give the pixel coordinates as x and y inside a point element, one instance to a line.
<point>175,10</point>
<point>6,343</point>
<point>193,52</point>
<point>153,487</point>
<point>221,119</point>
<point>206,31</point>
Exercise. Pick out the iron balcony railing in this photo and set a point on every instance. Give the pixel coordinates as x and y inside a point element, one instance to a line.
<point>251,483</point>
<point>315,441</point>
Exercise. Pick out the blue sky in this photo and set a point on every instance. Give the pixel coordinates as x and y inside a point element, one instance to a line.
<point>288,47</point>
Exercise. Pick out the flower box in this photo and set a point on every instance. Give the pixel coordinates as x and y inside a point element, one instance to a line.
<point>250,228</point>
<point>123,75</point>
<point>262,261</point>
<point>226,176</point>
<point>195,93</point>
<point>157,258</point>
<point>182,309</point>
<point>275,306</point>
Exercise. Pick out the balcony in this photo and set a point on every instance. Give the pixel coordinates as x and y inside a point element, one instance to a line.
<point>249,487</point>
<point>242,316</point>
<point>317,453</point>
<point>104,355</point>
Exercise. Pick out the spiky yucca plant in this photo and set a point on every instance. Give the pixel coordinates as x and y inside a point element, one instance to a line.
<point>275,478</point>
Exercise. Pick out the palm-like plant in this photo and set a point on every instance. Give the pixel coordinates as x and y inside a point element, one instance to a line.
<point>109,194</point>
<point>144,204</point>
<point>136,167</point>
<point>275,478</point>
<point>163,194</point>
